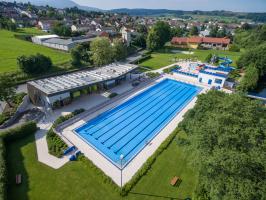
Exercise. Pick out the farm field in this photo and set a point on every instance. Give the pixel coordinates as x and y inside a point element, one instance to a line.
<point>78,180</point>
<point>166,57</point>
<point>11,48</point>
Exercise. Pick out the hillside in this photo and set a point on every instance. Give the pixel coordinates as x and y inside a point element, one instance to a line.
<point>57,4</point>
<point>11,48</point>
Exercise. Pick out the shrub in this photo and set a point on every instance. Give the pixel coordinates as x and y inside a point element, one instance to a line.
<point>19,132</point>
<point>7,136</point>
<point>234,48</point>
<point>3,171</point>
<point>23,37</point>
<point>153,74</point>
<point>148,164</point>
<point>56,145</point>
<point>169,70</point>
<point>34,64</point>
<point>112,95</point>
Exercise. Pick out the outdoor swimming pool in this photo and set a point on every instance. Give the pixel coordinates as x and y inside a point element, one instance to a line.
<point>129,127</point>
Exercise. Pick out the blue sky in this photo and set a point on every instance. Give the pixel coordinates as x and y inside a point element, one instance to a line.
<point>233,5</point>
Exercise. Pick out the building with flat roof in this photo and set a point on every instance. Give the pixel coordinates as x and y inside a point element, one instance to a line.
<point>55,42</point>
<point>61,90</point>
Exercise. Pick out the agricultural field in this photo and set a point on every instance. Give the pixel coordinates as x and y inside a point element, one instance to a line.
<point>168,56</point>
<point>11,48</point>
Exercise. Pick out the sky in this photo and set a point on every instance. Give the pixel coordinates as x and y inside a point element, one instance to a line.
<point>232,5</point>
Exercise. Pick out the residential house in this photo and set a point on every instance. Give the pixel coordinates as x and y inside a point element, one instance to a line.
<point>205,42</point>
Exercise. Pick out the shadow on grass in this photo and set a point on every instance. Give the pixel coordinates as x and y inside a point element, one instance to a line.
<point>153,196</point>
<point>15,165</point>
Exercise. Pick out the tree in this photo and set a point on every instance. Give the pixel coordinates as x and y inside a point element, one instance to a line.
<point>119,50</point>
<point>214,31</point>
<point>61,29</point>
<point>34,64</point>
<point>225,136</point>
<point>158,35</point>
<point>102,52</point>
<point>153,40</point>
<point>208,58</point>
<point>7,89</point>
<point>234,48</point>
<point>177,32</point>
<point>194,31</point>
<point>221,33</point>
<point>142,29</point>
<point>250,79</point>
<point>139,41</point>
<point>79,54</point>
<point>254,56</point>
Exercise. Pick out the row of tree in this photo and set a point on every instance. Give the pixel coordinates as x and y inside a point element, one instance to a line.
<point>225,135</point>
<point>253,59</point>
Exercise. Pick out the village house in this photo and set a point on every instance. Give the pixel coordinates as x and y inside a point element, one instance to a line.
<point>205,42</point>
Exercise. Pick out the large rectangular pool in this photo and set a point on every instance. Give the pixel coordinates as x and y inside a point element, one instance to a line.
<point>129,127</point>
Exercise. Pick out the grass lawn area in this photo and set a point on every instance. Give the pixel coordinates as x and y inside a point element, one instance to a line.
<point>11,48</point>
<point>165,57</point>
<point>76,180</point>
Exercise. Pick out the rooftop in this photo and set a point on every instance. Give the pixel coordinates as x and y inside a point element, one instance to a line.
<point>199,40</point>
<point>59,84</point>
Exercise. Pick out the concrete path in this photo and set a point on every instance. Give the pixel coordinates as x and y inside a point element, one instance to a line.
<point>86,102</point>
<point>43,154</point>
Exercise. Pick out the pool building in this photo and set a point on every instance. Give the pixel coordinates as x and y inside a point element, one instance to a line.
<point>60,90</point>
<point>213,76</point>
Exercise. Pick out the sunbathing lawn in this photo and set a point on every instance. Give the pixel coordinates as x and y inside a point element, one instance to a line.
<point>77,181</point>
<point>11,48</point>
<point>163,58</point>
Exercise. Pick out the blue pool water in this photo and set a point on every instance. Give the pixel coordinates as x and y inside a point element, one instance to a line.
<point>128,128</point>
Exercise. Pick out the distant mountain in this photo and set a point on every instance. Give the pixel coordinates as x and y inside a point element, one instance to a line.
<point>57,4</point>
<point>148,12</point>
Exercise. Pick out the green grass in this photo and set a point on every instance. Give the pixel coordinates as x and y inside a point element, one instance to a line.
<point>11,48</point>
<point>76,180</point>
<point>164,57</point>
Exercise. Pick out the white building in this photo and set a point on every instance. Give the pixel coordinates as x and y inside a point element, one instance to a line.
<point>126,35</point>
<point>62,89</point>
<point>41,38</point>
<point>53,41</point>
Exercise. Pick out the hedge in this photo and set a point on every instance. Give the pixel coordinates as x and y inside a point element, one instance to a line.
<point>148,164</point>
<point>3,171</point>
<point>112,95</point>
<point>153,74</point>
<point>7,136</point>
<point>56,145</point>
<point>142,59</point>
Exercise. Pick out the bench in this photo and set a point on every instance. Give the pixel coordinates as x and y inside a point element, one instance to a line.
<point>18,179</point>
<point>175,180</point>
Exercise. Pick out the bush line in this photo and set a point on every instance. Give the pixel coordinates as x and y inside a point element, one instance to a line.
<point>148,164</point>
<point>7,136</point>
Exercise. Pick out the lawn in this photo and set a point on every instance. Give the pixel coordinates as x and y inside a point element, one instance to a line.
<point>11,48</point>
<point>76,180</point>
<point>165,57</point>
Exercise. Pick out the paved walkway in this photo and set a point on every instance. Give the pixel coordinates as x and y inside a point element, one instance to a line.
<point>87,102</point>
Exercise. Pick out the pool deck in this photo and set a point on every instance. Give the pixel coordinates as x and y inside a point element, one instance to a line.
<point>104,164</point>
<point>88,102</point>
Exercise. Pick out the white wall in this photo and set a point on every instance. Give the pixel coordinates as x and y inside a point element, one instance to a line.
<point>206,77</point>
